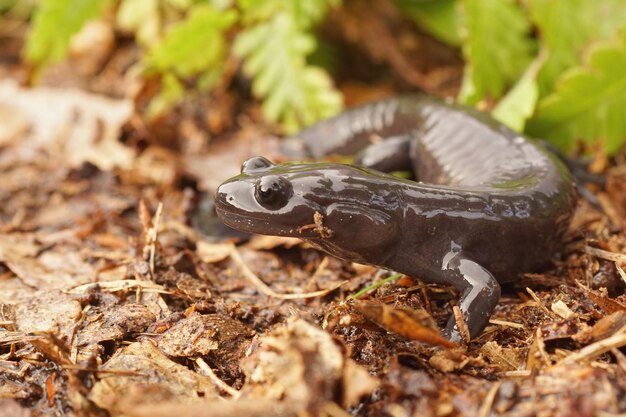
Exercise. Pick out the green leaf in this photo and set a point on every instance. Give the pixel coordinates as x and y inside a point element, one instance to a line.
<point>6,5</point>
<point>185,4</point>
<point>172,91</point>
<point>194,45</point>
<point>54,24</point>
<point>589,102</point>
<point>607,17</point>
<point>564,29</point>
<point>305,13</point>
<point>18,9</point>
<point>294,94</point>
<point>519,103</point>
<point>439,17</point>
<point>496,46</point>
<point>567,26</point>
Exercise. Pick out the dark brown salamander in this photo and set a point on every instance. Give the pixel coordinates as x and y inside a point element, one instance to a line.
<point>489,203</point>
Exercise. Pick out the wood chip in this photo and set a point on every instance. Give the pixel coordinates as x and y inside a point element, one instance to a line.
<point>562,310</point>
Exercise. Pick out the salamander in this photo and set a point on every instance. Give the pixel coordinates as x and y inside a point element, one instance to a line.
<point>485,203</point>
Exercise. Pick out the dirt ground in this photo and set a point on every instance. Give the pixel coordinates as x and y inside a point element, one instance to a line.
<point>116,300</point>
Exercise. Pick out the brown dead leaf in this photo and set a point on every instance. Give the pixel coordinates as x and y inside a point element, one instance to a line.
<point>13,125</point>
<point>505,359</point>
<point>357,383</point>
<point>201,335</point>
<point>40,266</point>
<point>141,374</point>
<point>50,312</point>
<point>301,364</point>
<point>412,324</point>
<point>603,301</point>
<point>114,322</point>
<point>95,123</point>
<point>451,360</point>
<point>187,285</point>
<point>558,329</point>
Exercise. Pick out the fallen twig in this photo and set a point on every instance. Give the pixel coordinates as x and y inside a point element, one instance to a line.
<point>598,348</point>
<point>119,285</point>
<point>208,372</point>
<point>265,289</point>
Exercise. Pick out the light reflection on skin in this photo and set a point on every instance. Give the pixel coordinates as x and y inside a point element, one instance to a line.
<point>501,199</point>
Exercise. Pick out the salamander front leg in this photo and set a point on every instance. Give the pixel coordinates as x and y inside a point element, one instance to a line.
<point>479,290</point>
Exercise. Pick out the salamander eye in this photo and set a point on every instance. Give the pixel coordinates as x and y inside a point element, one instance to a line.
<point>273,192</point>
<point>255,164</point>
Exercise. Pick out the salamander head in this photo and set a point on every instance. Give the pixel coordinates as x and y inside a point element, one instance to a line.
<point>333,202</point>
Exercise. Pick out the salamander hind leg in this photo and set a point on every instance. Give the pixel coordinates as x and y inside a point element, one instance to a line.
<point>480,292</point>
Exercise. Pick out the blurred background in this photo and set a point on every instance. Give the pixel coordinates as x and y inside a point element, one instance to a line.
<point>197,70</point>
<point>118,118</point>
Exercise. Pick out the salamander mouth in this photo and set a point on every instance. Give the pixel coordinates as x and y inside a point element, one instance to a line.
<point>233,219</point>
<point>251,224</point>
<point>264,226</point>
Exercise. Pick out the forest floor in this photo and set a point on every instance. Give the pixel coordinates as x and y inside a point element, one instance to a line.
<point>114,302</point>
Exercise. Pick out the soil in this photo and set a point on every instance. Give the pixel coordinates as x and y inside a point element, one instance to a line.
<point>117,297</point>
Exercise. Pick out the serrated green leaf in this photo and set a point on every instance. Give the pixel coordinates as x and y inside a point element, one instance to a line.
<point>567,26</point>
<point>519,103</point>
<point>439,17</point>
<point>564,29</point>
<point>589,102</point>
<point>194,45</point>
<point>294,94</point>
<point>496,45</point>
<point>54,24</point>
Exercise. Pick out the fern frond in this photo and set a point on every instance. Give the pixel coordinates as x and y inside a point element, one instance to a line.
<point>305,13</point>
<point>295,94</point>
<point>194,45</point>
<point>54,24</point>
<point>440,17</point>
